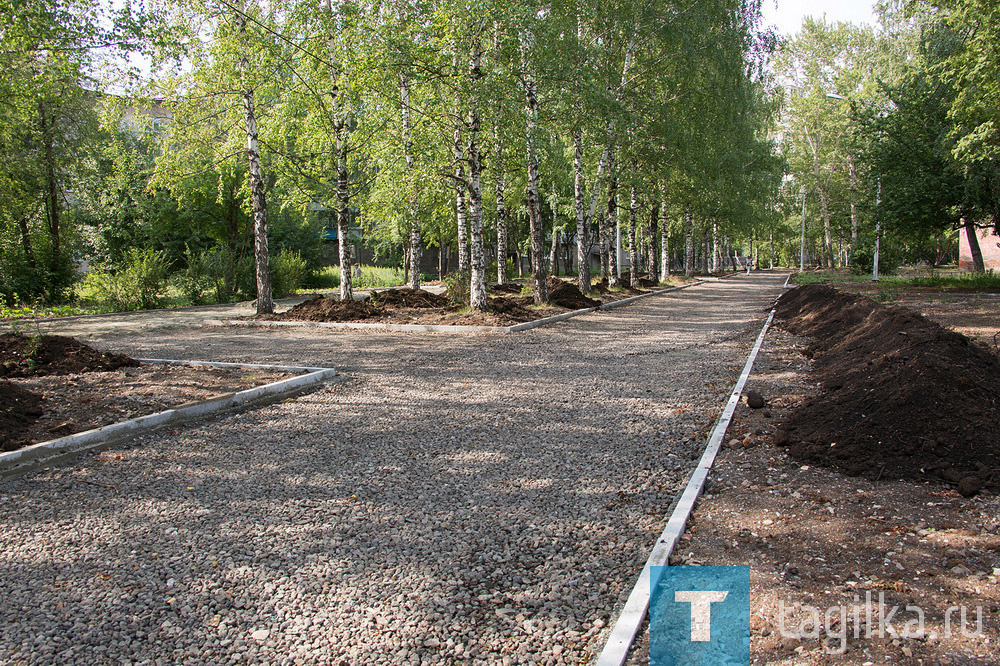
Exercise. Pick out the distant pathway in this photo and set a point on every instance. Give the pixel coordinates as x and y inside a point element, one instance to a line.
<point>460,499</point>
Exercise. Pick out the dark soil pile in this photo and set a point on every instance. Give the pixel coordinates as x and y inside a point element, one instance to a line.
<point>322,308</point>
<point>509,288</point>
<point>23,356</point>
<point>409,298</point>
<point>903,397</point>
<point>646,283</point>
<point>513,308</point>
<point>568,295</point>
<point>19,410</point>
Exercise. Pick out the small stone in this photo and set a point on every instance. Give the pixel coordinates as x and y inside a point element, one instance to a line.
<point>734,444</point>
<point>755,400</point>
<point>260,635</point>
<point>432,643</point>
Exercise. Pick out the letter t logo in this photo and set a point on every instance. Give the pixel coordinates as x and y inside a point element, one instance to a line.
<point>701,610</point>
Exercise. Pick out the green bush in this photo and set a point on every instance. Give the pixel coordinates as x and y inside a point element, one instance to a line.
<point>136,283</point>
<point>195,282</point>
<point>457,286</point>
<point>863,260</point>
<point>288,270</point>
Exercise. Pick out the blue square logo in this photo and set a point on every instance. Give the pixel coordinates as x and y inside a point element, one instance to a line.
<point>699,616</point>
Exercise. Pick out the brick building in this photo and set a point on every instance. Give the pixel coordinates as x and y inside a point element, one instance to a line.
<point>989,243</point>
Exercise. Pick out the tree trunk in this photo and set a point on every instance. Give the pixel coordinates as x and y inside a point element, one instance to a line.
<point>854,215</point>
<point>827,228</point>
<point>688,245</point>
<point>602,244</point>
<point>341,125</point>
<point>654,218</point>
<point>582,222</point>
<point>554,248</point>
<point>716,259</point>
<point>501,211</point>
<point>972,234</point>
<point>461,206</point>
<point>664,244</point>
<point>477,295</point>
<point>52,210</point>
<point>534,201</point>
<point>415,249</point>
<point>633,249</point>
<point>29,254</point>
<point>265,305</point>
<point>612,222</point>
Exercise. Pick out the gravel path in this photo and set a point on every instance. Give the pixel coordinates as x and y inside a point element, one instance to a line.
<point>460,499</point>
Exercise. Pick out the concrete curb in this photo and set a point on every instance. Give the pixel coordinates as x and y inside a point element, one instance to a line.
<point>15,463</point>
<point>625,629</point>
<point>439,328</point>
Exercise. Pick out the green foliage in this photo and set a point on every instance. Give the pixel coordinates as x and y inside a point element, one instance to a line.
<point>327,277</point>
<point>288,270</point>
<point>988,281</point>
<point>863,260</point>
<point>457,287</point>
<point>372,277</point>
<point>137,282</point>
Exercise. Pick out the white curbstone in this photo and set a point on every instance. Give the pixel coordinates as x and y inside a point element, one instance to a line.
<point>14,463</point>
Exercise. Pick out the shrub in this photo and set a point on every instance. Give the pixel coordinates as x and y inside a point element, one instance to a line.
<point>863,260</point>
<point>457,286</point>
<point>137,283</point>
<point>288,270</point>
<point>196,281</point>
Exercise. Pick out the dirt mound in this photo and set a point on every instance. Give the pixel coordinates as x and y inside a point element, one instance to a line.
<point>902,396</point>
<point>568,295</point>
<point>601,287</point>
<point>23,356</point>
<point>409,298</point>
<point>646,283</point>
<point>322,309</point>
<point>508,288</point>
<point>21,409</point>
<point>514,309</point>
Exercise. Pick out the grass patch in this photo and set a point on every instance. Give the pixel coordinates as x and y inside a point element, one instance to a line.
<point>372,277</point>
<point>960,282</point>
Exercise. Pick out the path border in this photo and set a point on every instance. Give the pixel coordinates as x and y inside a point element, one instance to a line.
<point>29,458</point>
<point>626,628</point>
<point>441,328</point>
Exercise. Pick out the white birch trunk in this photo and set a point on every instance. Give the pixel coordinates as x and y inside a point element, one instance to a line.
<point>633,248</point>
<point>415,250</point>
<point>664,244</point>
<point>258,201</point>
<point>654,218</point>
<point>612,222</point>
<point>582,242</point>
<point>341,124</point>
<point>477,294</point>
<point>501,211</point>
<point>688,245</point>
<point>534,201</point>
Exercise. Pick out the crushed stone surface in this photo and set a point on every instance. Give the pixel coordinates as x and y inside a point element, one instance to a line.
<point>458,499</point>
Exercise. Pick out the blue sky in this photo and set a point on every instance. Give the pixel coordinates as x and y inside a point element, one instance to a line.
<point>787,15</point>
